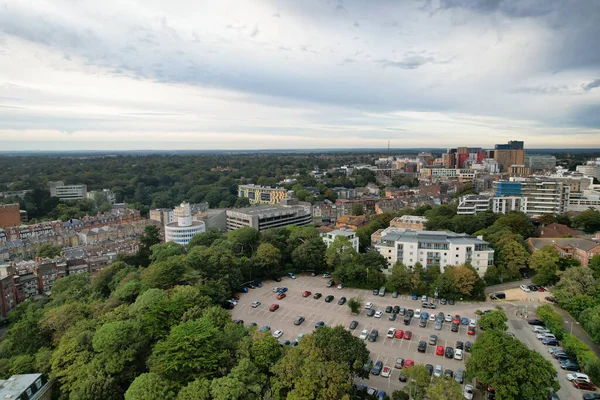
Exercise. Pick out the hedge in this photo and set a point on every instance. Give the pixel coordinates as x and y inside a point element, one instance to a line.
<point>552,319</point>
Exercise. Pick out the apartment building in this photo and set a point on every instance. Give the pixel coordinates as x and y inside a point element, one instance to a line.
<point>264,194</point>
<point>329,237</point>
<point>435,248</point>
<point>67,192</point>
<point>10,215</point>
<point>509,154</point>
<point>414,222</point>
<point>263,217</point>
<point>472,204</point>
<point>540,161</point>
<point>26,387</point>
<point>579,249</point>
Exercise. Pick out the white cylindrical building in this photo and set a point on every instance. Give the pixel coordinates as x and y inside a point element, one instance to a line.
<point>182,231</point>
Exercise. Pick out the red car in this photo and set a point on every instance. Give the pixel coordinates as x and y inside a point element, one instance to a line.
<point>273,307</point>
<point>236,296</point>
<point>399,334</point>
<point>407,335</point>
<point>439,350</point>
<point>471,330</point>
<point>280,296</point>
<point>582,384</point>
<point>409,363</point>
<point>306,294</point>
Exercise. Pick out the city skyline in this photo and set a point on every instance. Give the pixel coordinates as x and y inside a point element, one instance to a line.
<point>289,75</point>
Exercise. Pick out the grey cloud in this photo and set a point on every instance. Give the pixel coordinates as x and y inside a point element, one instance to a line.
<point>410,61</point>
<point>591,85</point>
<point>255,31</point>
<point>276,15</point>
<point>356,24</point>
<point>547,90</point>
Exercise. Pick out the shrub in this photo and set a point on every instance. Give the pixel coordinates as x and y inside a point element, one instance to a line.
<point>552,319</point>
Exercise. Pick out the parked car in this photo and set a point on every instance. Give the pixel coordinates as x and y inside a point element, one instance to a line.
<point>569,365</point>
<point>373,335</point>
<point>340,286</point>
<point>468,346</point>
<point>577,375</point>
<point>468,392</point>
<point>370,312</point>
<point>407,319</point>
<point>265,328</point>
<point>319,324</point>
<point>585,385</point>
<point>401,377</point>
<point>368,306</point>
<point>299,321</point>
<point>427,304</point>
<point>306,293</point>
<point>402,311</point>
<point>443,301</point>
<point>395,294</point>
<point>396,309</point>
<point>448,318</point>
<point>498,296</point>
<point>454,327</point>
<point>280,296</point>
<point>317,296</point>
<point>423,322</point>
<point>429,368</point>
<point>551,299</point>
<point>535,321</point>
<point>273,307</point>
<point>550,342</point>
<point>399,363</point>
<point>525,288</point>
<point>409,363</point>
<point>329,283</point>
<point>438,325</point>
<point>353,325</point>
<point>391,332</point>
<point>459,376</point>
<point>342,301</point>
<point>393,316</point>
<point>422,346</point>
<point>448,374</point>
<point>417,313</point>
<point>291,275</point>
<point>399,334</point>
<point>433,339</point>
<point>590,396</point>
<point>255,304</point>
<point>449,353</point>
<point>284,342</point>
<point>545,335</point>
<point>277,334</point>
<point>326,275</point>
<point>471,330</point>
<point>377,368</point>
<point>329,299</point>
<point>440,316</point>
<point>389,309</point>
<point>407,335</point>
<point>363,334</point>
<point>378,314</point>
<point>386,372</point>
<point>458,354</point>
<point>464,321</point>
<point>439,350</point>
<point>432,317</point>
<point>437,371</point>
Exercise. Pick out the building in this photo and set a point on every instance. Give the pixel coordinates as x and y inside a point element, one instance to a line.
<point>98,195</point>
<point>182,211</point>
<point>8,291</point>
<point>509,154</point>
<point>162,215</point>
<point>354,222</point>
<point>536,197</point>
<point>10,215</point>
<point>579,249</point>
<point>67,192</point>
<point>182,231</point>
<point>26,387</point>
<point>433,248</point>
<point>555,230</point>
<point>215,218</point>
<point>349,234</point>
<point>540,161</point>
<point>263,217</point>
<point>27,286</point>
<point>506,204</point>
<point>472,204</point>
<point>519,170</point>
<point>579,204</point>
<point>592,168</point>
<point>264,194</point>
<point>414,222</point>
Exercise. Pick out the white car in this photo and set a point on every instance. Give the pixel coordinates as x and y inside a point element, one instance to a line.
<point>372,391</point>
<point>368,306</point>
<point>542,336</point>
<point>233,301</point>
<point>437,372</point>
<point>448,318</point>
<point>539,329</point>
<point>391,332</point>
<point>417,313</point>
<point>255,304</point>
<point>378,314</point>
<point>525,288</point>
<point>275,289</point>
<point>386,372</point>
<point>458,355</point>
<point>432,317</point>
<point>577,375</point>
<point>341,286</point>
<point>277,334</point>
<point>472,323</point>
<point>468,392</point>
<point>554,349</point>
<point>364,334</point>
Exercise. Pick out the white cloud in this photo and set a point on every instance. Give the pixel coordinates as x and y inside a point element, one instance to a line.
<point>269,74</point>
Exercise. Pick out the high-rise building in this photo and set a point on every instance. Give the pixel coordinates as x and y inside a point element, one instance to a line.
<point>264,194</point>
<point>592,168</point>
<point>270,216</point>
<point>67,192</point>
<point>182,231</point>
<point>540,161</point>
<point>509,154</point>
<point>10,215</point>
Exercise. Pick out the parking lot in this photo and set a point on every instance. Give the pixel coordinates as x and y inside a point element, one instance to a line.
<point>332,314</point>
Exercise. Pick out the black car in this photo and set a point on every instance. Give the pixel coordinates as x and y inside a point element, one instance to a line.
<point>535,321</point>
<point>422,347</point>
<point>451,302</point>
<point>460,345</point>
<point>392,316</point>
<point>370,312</point>
<point>429,368</point>
<point>533,288</point>
<point>454,327</point>
<point>407,319</point>
<point>317,296</point>
<point>329,299</point>
<point>433,339</point>
<point>468,346</point>
<point>238,321</point>
<point>569,365</point>
<point>373,336</point>
<point>410,312</point>
<point>388,309</point>
<point>525,275</point>
<point>277,279</point>
<point>377,368</point>
<point>587,396</point>
<point>367,366</point>
<point>396,309</point>
<point>449,352</point>
<point>551,299</point>
<point>550,342</point>
<point>341,301</point>
<point>299,321</point>
<point>401,377</point>
<point>448,374</point>
<point>353,324</point>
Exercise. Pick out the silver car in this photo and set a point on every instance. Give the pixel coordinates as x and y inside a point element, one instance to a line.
<point>437,371</point>
<point>438,325</point>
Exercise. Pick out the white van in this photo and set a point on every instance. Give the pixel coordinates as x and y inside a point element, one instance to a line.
<point>382,292</point>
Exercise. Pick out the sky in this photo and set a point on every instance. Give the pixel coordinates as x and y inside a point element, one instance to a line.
<point>237,74</point>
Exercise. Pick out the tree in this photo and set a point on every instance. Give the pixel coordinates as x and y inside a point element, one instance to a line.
<point>400,395</point>
<point>513,256</point>
<point>528,372</point>
<point>401,277</point>
<point>357,209</point>
<point>244,382</point>
<point>48,250</point>
<point>310,255</point>
<point>339,252</point>
<point>545,262</point>
<point>75,287</point>
<point>574,281</point>
<point>372,259</point>
<point>205,239</point>
<point>339,345</point>
<point>495,320</point>
<point>589,220</point>
<point>244,240</point>
<point>418,379</point>
<point>552,319</point>
<point>190,351</point>
<point>163,251</point>
<point>517,223</point>
<point>241,202</point>
<point>198,389</point>
<point>164,274</point>
<point>594,265</point>
<point>464,278</point>
<point>443,389</point>
<point>151,386</point>
<point>355,304</point>
<point>265,352</point>
<point>149,238</point>
<point>268,257</point>
<point>102,280</point>
<point>117,344</point>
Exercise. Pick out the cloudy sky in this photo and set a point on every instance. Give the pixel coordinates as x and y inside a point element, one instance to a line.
<point>236,74</point>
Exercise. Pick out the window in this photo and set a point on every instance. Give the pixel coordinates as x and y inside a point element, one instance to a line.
<point>38,383</point>
<point>29,392</point>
